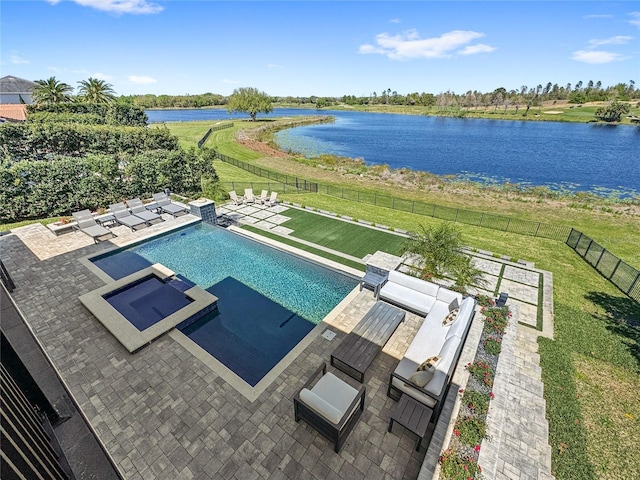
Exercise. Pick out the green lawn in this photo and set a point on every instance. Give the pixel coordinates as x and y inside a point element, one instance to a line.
<point>354,240</point>
<point>591,369</point>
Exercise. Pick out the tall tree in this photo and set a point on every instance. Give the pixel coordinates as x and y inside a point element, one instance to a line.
<point>95,90</point>
<point>249,100</point>
<point>52,91</point>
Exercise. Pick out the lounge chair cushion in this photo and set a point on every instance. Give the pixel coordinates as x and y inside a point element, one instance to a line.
<point>447,296</point>
<point>321,406</point>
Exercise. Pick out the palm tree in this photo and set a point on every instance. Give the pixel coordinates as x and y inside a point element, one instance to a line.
<point>52,91</point>
<point>95,90</point>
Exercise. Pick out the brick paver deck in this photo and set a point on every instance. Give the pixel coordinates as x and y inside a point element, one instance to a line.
<point>162,413</point>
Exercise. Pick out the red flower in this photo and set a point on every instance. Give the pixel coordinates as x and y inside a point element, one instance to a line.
<point>477,448</point>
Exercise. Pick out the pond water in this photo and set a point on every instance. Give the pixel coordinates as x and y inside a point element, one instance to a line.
<point>602,159</point>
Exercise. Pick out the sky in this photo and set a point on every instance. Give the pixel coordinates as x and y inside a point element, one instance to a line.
<point>321,48</point>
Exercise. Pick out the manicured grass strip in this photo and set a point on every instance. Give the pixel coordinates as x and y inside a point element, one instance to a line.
<point>306,248</point>
<point>354,240</point>
<point>567,436</point>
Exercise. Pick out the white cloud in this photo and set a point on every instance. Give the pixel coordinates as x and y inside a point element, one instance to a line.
<point>478,48</point>
<point>275,66</point>
<point>142,79</point>
<point>119,6</point>
<point>102,76</point>
<point>635,19</point>
<point>17,60</point>
<point>409,44</point>
<point>617,40</point>
<point>596,56</point>
<point>395,20</point>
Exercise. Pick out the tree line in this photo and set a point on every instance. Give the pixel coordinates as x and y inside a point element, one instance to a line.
<point>526,96</point>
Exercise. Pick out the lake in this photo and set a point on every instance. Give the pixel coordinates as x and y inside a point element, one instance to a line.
<point>602,159</point>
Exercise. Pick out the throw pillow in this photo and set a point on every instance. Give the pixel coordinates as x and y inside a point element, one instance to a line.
<point>453,305</point>
<point>429,362</point>
<point>448,320</point>
<point>422,377</point>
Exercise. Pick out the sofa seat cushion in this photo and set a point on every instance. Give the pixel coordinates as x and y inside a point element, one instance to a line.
<point>407,297</point>
<point>335,391</point>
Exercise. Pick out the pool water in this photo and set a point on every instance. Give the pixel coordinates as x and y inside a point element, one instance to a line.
<point>268,300</point>
<point>206,255</point>
<point>147,301</point>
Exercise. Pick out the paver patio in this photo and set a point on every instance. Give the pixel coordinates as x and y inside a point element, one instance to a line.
<point>162,413</point>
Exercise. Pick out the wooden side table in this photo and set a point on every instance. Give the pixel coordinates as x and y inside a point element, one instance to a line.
<point>412,415</point>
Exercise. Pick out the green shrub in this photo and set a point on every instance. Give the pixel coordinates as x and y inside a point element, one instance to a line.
<point>456,467</point>
<point>482,372</point>
<point>492,345</point>
<point>477,402</point>
<point>470,430</point>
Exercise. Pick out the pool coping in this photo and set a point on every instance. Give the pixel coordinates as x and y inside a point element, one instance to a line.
<point>122,329</point>
<point>220,369</point>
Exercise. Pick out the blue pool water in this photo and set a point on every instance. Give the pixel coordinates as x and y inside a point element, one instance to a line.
<point>147,301</point>
<point>205,255</point>
<point>268,300</point>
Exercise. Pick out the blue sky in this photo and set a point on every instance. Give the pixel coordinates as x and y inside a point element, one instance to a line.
<point>322,48</point>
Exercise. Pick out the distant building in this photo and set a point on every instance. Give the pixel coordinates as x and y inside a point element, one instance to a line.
<point>15,91</point>
<point>15,94</point>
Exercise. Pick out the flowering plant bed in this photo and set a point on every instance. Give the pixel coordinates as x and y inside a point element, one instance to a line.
<point>460,460</point>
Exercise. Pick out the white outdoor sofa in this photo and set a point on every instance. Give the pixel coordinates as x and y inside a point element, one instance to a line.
<point>432,339</point>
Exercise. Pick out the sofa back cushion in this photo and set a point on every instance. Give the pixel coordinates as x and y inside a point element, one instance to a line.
<point>447,296</point>
<point>414,283</point>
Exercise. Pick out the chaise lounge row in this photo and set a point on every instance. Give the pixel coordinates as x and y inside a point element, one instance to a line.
<point>134,215</point>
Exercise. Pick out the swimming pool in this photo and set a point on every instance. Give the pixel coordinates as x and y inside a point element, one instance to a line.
<point>206,255</point>
<point>268,300</point>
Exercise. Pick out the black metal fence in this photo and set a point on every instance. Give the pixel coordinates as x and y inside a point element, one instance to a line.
<point>618,272</point>
<point>215,128</point>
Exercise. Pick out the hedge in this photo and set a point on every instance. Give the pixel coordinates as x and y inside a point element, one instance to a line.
<point>31,189</point>
<point>37,141</point>
<point>114,113</point>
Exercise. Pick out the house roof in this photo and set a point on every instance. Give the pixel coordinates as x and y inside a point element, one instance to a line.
<point>15,113</point>
<point>11,84</point>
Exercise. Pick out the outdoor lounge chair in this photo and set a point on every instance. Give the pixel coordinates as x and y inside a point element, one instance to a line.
<point>124,217</point>
<point>271,201</point>
<point>263,196</point>
<point>234,198</point>
<point>331,406</point>
<point>165,205</point>
<point>248,196</point>
<point>87,224</point>
<point>139,210</point>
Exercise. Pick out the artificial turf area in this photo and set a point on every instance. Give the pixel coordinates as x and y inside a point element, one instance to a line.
<point>355,240</point>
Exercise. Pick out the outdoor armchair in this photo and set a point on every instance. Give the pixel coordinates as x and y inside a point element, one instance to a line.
<point>331,406</point>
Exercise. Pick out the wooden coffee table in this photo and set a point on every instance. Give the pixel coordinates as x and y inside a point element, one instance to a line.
<point>358,349</point>
<point>412,415</point>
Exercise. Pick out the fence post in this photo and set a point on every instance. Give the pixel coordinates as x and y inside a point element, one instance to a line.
<point>537,229</point>
<point>633,284</point>
<point>614,270</point>
<point>506,229</point>
<point>481,218</point>
<point>600,258</point>
<point>393,203</point>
